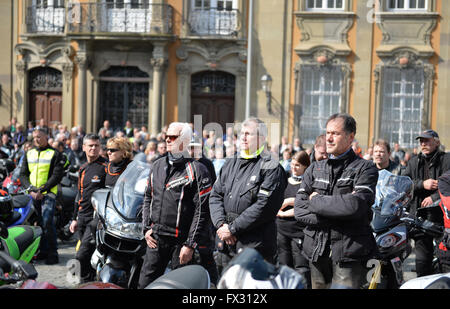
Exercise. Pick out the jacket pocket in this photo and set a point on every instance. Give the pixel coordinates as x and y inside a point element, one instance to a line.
<point>345,185</point>
<point>308,243</point>
<point>320,185</point>
<point>356,245</point>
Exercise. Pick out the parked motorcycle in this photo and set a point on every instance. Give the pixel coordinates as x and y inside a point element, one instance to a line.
<point>18,245</point>
<point>6,168</point>
<point>436,281</point>
<point>120,243</point>
<point>393,229</point>
<point>247,270</point>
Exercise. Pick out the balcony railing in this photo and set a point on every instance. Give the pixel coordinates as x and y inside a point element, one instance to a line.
<point>94,18</point>
<point>214,22</point>
<point>45,19</point>
<point>126,18</point>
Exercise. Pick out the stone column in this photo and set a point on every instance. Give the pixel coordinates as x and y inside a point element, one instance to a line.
<point>21,96</point>
<point>184,92</point>
<point>82,62</point>
<point>159,63</point>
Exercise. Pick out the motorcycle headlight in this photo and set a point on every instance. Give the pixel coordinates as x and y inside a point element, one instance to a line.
<point>387,241</point>
<point>116,225</point>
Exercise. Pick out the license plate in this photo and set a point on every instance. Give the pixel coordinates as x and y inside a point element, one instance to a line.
<point>397,266</point>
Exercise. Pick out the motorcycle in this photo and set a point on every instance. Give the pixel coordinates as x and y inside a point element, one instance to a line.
<point>18,245</point>
<point>120,243</point>
<point>393,228</point>
<point>6,167</point>
<point>247,270</point>
<point>436,281</point>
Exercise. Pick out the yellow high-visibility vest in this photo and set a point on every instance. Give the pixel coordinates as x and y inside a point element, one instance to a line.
<point>39,167</point>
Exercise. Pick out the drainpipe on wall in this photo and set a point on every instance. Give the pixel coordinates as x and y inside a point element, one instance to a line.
<point>249,60</point>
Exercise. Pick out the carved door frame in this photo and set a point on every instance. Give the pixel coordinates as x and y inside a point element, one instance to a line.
<point>45,95</point>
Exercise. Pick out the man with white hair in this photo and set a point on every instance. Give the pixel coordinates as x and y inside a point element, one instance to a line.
<point>175,205</point>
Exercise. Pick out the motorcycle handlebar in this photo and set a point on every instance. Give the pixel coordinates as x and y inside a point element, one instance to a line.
<point>425,226</point>
<point>20,270</point>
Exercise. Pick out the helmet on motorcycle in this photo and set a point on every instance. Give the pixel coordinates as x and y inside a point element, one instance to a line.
<point>6,206</point>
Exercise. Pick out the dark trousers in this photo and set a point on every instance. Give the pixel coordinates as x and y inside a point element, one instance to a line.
<point>86,249</point>
<point>327,274</point>
<point>206,259</point>
<point>424,249</point>
<point>46,211</point>
<point>157,259</point>
<point>290,254</point>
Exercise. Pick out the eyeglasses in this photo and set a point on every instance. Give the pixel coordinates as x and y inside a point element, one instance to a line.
<point>172,137</point>
<point>112,150</point>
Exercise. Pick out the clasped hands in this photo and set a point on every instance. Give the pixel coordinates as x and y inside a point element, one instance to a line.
<point>225,235</point>
<point>186,252</point>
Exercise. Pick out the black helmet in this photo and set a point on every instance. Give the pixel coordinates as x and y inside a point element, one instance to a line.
<point>6,206</point>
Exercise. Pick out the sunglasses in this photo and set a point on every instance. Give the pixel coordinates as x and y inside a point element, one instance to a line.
<point>112,150</point>
<point>172,137</point>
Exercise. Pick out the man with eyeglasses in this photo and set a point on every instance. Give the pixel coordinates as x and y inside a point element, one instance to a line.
<point>91,177</point>
<point>175,206</point>
<point>247,195</point>
<point>41,171</point>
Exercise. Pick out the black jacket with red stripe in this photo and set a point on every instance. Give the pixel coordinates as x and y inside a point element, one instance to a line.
<point>176,200</point>
<point>444,191</point>
<point>91,178</point>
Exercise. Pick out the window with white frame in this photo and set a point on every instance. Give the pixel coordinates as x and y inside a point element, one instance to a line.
<point>47,16</point>
<point>318,5</point>
<point>402,105</point>
<point>213,17</point>
<point>321,98</point>
<point>406,5</point>
<point>48,3</point>
<point>126,15</point>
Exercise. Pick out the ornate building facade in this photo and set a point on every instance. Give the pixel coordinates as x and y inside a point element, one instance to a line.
<point>157,61</point>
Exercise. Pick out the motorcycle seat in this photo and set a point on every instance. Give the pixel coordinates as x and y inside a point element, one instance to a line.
<point>20,201</point>
<point>15,217</point>
<point>23,236</point>
<point>187,277</point>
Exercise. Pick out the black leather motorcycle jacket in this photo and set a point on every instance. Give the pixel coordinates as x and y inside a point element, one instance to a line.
<point>176,199</point>
<point>247,196</point>
<point>338,218</point>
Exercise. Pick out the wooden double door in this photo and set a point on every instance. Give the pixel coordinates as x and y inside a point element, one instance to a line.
<point>45,96</point>
<point>213,97</point>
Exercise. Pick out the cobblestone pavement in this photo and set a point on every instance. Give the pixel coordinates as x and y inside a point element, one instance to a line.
<point>58,274</point>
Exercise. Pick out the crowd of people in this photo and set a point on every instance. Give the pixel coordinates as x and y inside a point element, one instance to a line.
<point>304,208</point>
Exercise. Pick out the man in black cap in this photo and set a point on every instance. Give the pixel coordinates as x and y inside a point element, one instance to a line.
<point>424,169</point>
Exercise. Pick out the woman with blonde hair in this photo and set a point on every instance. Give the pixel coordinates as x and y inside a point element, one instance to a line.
<point>120,153</point>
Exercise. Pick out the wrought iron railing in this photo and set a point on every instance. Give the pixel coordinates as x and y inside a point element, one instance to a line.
<point>214,22</point>
<point>104,17</point>
<point>45,19</point>
<point>147,18</point>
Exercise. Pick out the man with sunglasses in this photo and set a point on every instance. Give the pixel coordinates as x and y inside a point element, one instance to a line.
<point>92,176</point>
<point>175,206</point>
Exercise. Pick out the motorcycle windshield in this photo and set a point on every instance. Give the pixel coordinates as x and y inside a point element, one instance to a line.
<point>128,192</point>
<point>392,194</point>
